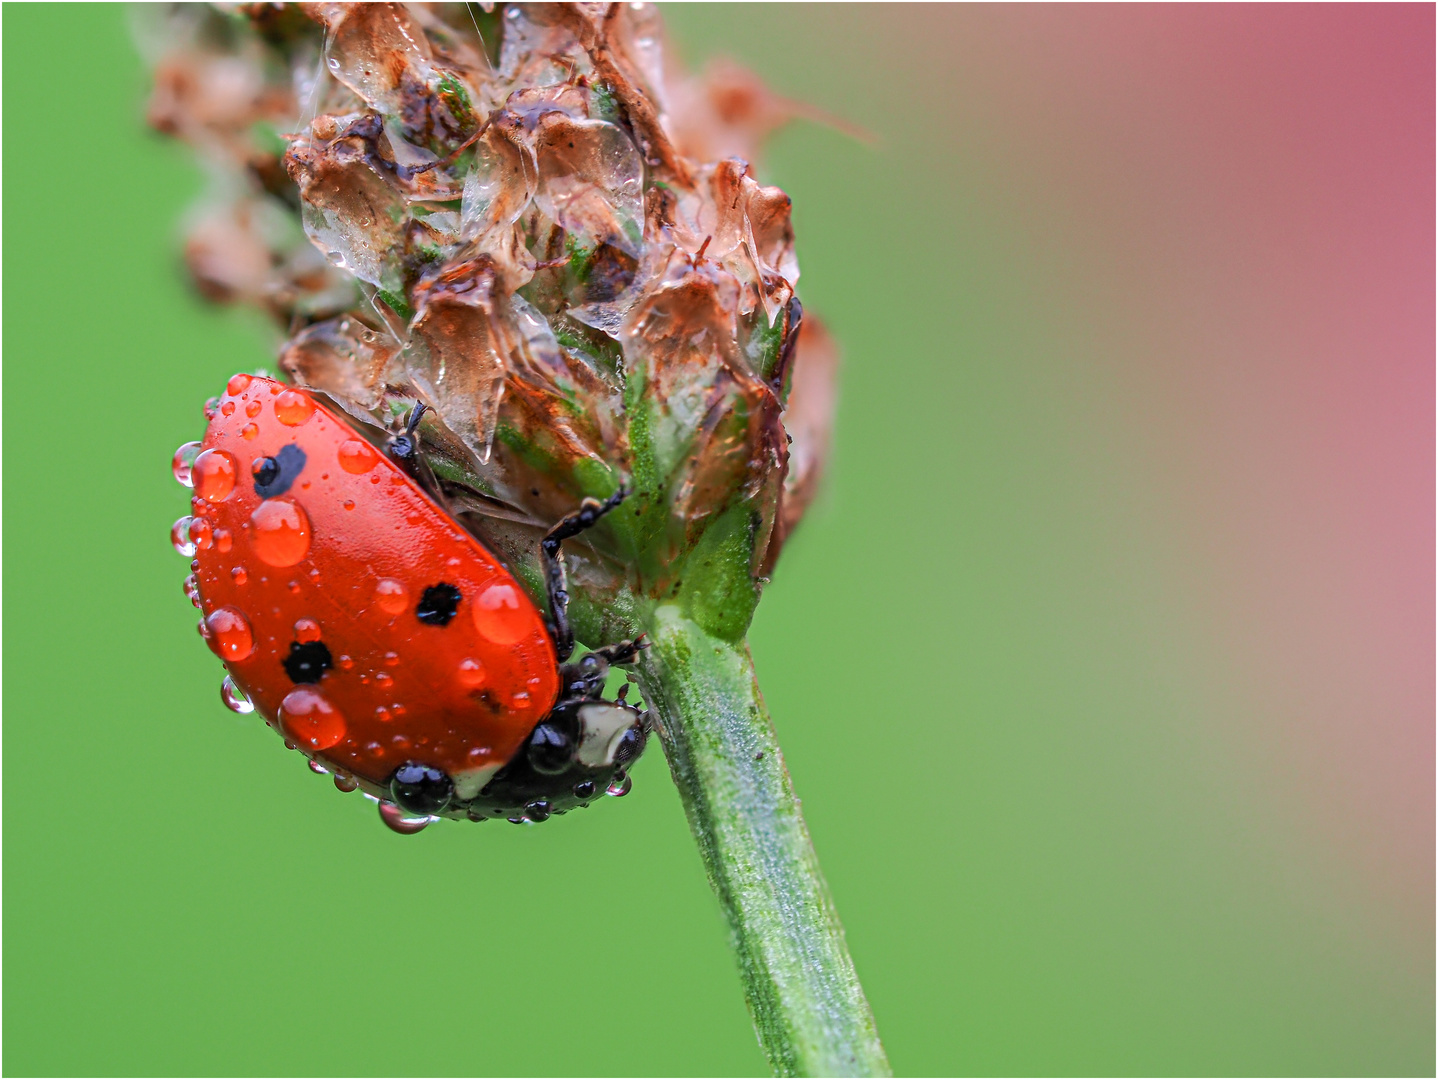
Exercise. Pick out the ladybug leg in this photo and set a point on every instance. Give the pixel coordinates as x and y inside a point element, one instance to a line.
<point>585,677</point>
<point>624,652</point>
<point>556,579</point>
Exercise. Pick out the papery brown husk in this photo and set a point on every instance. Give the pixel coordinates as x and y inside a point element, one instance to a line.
<point>554,241</point>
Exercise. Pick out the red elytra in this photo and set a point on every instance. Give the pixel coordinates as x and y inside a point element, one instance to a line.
<point>330,559</point>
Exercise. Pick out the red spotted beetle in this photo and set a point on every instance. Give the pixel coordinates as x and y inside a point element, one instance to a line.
<point>377,635</point>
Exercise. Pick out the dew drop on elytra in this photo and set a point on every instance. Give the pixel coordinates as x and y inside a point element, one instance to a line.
<point>234,698</point>
<point>184,461</point>
<point>180,537</point>
<point>345,783</point>
<point>316,767</point>
<point>399,821</point>
<point>192,590</point>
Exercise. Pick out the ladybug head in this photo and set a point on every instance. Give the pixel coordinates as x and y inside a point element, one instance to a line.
<point>582,749</point>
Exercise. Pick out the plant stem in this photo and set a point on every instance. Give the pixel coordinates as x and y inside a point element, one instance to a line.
<point>809,1011</point>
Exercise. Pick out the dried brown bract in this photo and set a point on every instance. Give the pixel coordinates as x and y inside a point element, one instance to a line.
<point>522,218</point>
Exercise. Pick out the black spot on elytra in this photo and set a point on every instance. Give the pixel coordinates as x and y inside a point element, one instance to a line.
<point>275,475</point>
<point>307,661</point>
<point>438,604</point>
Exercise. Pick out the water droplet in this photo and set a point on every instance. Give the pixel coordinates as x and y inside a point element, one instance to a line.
<point>357,456</point>
<point>200,533</point>
<point>227,409</point>
<point>282,532</point>
<point>306,630</point>
<point>184,461</point>
<point>316,767</point>
<point>293,408</point>
<point>250,431</point>
<point>500,616</point>
<point>344,662</point>
<point>538,810</point>
<point>471,674</point>
<point>252,410</point>
<point>584,789</point>
<point>229,634</point>
<point>620,786</point>
<point>223,541</point>
<point>345,782</point>
<point>212,406</point>
<point>307,717</point>
<point>391,659</point>
<point>240,574</point>
<point>401,822</point>
<point>234,698</point>
<point>349,504</point>
<point>391,596</point>
<point>382,714</point>
<point>238,384</point>
<point>214,475</point>
<point>383,680</point>
<point>180,537</point>
<point>192,589</point>
<point>519,701</point>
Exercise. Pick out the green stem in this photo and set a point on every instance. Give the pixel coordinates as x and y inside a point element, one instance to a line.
<point>809,1011</point>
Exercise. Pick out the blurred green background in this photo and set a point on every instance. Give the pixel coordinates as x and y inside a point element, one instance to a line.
<point>1104,666</point>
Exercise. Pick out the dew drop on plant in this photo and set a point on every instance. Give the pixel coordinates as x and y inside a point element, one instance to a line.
<point>184,461</point>
<point>234,698</point>
<point>401,822</point>
<point>180,537</point>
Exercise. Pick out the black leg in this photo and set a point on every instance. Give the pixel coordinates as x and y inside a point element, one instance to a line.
<point>585,677</point>
<point>624,652</point>
<point>557,581</point>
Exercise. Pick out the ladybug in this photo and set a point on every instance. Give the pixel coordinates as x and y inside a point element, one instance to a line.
<point>381,638</point>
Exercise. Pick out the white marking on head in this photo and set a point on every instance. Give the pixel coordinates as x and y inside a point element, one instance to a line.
<point>468,782</point>
<point>602,725</point>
